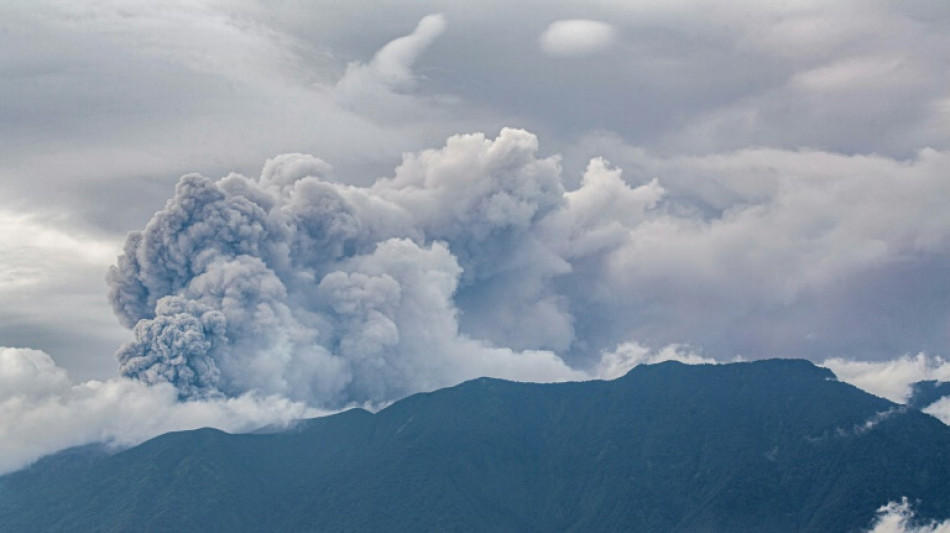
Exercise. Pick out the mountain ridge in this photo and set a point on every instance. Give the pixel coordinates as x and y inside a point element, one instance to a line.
<point>778,445</point>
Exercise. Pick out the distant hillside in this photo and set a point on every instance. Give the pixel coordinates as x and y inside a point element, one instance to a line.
<point>764,446</point>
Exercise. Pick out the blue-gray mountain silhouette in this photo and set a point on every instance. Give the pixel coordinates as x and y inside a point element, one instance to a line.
<point>776,445</point>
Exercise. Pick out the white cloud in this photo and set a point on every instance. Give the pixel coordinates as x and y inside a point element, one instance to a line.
<point>940,409</point>
<point>898,517</point>
<point>577,37</point>
<point>392,64</point>
<point>381,87</point>
<point>208,36</point>
<point>855,72</point>
<point>628,355</point>
<point>790,247</point>
<point>51,274</point>
<point>43,411</point>
<point>890,379</point>
<point>32,248</point>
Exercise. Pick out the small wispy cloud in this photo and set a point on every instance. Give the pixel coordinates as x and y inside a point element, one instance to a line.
<point>379,87</point>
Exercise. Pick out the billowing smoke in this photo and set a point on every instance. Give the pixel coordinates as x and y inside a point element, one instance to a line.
<point>299,285</point>
<point>475,259</point>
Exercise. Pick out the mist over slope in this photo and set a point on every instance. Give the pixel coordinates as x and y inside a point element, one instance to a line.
<point>775,445</point>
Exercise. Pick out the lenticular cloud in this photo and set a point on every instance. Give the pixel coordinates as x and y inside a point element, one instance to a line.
<point>298,285</point>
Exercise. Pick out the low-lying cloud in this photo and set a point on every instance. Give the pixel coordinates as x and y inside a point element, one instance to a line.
<point>625,357</point>
<point>899,517</point>
<point>890,379</point>
<point>43,411</point>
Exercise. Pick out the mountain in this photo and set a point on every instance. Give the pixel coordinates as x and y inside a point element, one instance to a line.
<point>777,445</point>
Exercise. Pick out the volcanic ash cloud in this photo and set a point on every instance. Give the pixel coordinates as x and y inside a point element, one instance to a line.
<point>298,285</point>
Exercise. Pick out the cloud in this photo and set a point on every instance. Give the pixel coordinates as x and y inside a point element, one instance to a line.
<point>30,242</point>
<point>379,88</point>
<point>213,87</point>
<point>51,283</point>
<point>206,86</point>
<point>392,64</point>
<point>898,517</point>
<point>890,379</point>
<point>940,409</point>
<point>628,355</point>
<point>577,37</point>
<point>296,285</point>
<point>43,411</point>
<point>476,258</point>
<point>799,252</point>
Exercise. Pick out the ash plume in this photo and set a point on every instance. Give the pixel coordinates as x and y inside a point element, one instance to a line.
<point>299,285</point>
<point>475,259</point>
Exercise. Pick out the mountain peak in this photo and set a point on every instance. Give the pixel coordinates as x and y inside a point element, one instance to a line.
<point>766,368</point>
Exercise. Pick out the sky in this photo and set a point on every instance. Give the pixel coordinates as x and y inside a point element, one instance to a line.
<point>383,199</point>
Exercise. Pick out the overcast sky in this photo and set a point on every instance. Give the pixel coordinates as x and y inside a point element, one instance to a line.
<point>736,179</point>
